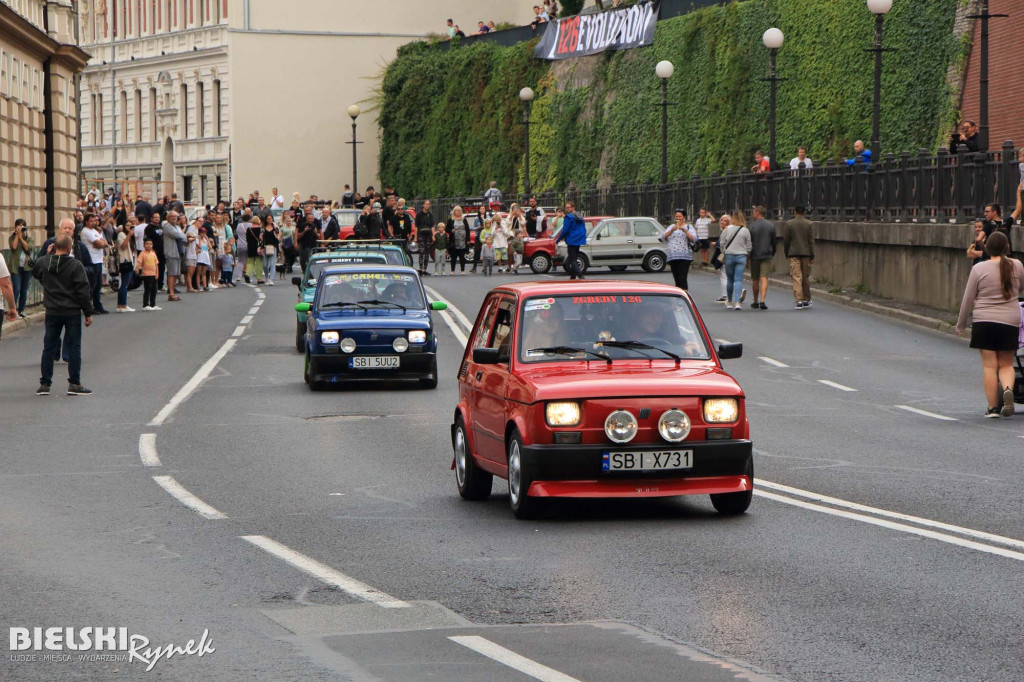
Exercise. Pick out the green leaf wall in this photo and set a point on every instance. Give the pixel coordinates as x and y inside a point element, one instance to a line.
<point>449,119</point>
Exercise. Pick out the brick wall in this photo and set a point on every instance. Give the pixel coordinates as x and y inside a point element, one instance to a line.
<point>1006,74</point>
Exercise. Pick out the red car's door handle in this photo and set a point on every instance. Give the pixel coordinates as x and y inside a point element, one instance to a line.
<point>479,375</point>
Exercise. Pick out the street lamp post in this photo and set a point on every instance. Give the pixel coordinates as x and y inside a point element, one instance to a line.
<point>984,15</point>
<point>664,71</point>
<point>879,8</point>
<point>773,40</point>
<point>526,95</point>
<point>353,111</point>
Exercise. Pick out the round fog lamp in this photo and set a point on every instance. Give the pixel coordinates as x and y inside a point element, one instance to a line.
<point>674,426</point>
<point>401,344</point>
<point>348,345</point>
<point>620,426</point>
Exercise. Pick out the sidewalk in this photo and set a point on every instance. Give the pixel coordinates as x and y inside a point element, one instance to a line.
<point>918,315</point>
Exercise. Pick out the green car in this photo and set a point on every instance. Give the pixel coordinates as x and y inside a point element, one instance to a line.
<point>357,253</point>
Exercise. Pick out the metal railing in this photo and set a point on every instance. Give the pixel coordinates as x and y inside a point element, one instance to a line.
<point>922,188</point>
<point>35,287</point>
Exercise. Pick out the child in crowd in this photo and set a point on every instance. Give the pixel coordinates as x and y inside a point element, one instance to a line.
<point>487,255</point>
<point>515,250</point>
<point>147,266</point>
<point>227,267</point>
<point>440,250</point>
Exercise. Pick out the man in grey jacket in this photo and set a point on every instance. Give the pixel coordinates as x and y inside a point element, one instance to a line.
<point>762,251</point>
<point>172,256</point>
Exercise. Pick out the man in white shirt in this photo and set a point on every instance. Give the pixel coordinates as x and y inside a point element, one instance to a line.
<point>95,243</point>
<point>801,158</point>
<point>140,237</point>
<point>277,201</point>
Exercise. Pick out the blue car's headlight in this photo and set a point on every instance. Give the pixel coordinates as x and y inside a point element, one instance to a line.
<point>329,338</point>
<point>417,336</point>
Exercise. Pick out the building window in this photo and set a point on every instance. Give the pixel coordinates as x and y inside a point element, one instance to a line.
<point>186,187</point>
<point>200,110</point>
<point>98,119</point>
<point>216,108</point>
<point>124,117</point>
<point>184,111</point>
<point>138,115</point>
<point>152,114</point>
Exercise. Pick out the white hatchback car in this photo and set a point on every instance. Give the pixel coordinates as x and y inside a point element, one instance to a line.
<point>620,242</point>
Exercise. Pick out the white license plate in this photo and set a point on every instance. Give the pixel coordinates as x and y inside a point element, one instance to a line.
<point>655,460</point>
<point>374,362</point>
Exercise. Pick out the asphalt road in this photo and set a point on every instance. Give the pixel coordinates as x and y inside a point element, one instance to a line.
<point>334,544</point>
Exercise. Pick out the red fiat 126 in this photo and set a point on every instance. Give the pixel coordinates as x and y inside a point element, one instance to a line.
<point>599,389</point>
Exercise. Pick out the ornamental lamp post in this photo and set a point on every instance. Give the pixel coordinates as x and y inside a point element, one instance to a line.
<point>879,8</point>
<point>664,71</point>
<point>526,95</point>
<point>773,40</point>
<point>353,111</point>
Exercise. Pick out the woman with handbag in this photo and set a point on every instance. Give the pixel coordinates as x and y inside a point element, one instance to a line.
<point>270,242</point>
<point>125,266</point>
<point>991,300</point>
<point>735,245</point>
<point>679,239</point>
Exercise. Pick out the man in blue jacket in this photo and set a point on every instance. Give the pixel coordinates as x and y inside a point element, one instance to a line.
<point>861,154</point>
<point>574,233</point>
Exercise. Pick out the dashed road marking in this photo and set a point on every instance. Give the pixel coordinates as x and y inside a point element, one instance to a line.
<point>326,574</point>
<point>185,391</point>
<point>466,324</point>
<point>253,310</point>
<point>188,499</point>
<point>495,652</point>
<point>835,385</point>
<point>774,363</point>
<point>147,450</point>
<point>245,320</point>
<point>925,413</point>
<point>238,331</point>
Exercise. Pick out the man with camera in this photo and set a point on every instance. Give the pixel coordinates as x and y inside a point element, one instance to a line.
<point>20,265</point>
<point>964,140</point>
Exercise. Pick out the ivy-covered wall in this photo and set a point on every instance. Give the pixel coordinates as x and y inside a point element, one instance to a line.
<point>449,119</point>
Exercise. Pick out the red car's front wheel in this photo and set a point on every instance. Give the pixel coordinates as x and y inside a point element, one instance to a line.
<point>523,506</point>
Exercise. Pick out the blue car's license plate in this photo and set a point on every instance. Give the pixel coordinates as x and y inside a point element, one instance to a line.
<point>374,362</point>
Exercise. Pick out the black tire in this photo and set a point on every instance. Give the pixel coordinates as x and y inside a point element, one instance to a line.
<point>654,261</point>
<point>522,505</point>
<point>617,268</point>
<point>473,482</point>
<point>733,504</point>
<point>300,336</point>
<point>307,374</point>
<point>540,263</point>
<point>431,381</point>
<point>582,260</point>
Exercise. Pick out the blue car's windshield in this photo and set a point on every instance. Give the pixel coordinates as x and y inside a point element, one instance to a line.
<point>399,288</point>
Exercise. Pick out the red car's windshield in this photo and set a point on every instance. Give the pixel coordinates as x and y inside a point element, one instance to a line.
<point>589,321</point>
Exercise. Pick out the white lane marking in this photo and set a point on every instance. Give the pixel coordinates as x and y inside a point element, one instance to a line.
<point>245,320</point>
<point>260,294</point>
<point>925,413</point>
<point>941,537</point>
<point>326,574</point>
<point>192,384</point>
<point>486,647</point>
<point>147,450</point>
<point>835,385</point>
<point>467,325</point>
<point>188,499</point>
<point>463,339</point>
<point>238,331</point>
<point>253,310</point>
<point>775,363</point>
<point>837,502</point>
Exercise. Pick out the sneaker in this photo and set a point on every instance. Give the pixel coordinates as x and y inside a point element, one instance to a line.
<point>246,279</point>
<point>799,305</point>
<point>755,305</point>
<point>126,309</point>
<point>118,310</point>
<point>101,311</point>
<point>44,389</point>
<point>270,283</point>
<point>721,299</point>
<point>78,389</point>
<point>1007,410</point>
<point>743,295</point>
<point>992,413</point>
<point>22,315</point>
<point>807,304</point>
<point>146,308</point>
<point>156,307</point>
<point>762,305</point>
<point>737,307</point>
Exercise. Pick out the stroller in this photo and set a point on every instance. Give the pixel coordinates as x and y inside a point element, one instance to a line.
<point>1018,384</point>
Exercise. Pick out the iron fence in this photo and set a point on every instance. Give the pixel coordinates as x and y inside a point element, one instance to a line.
<point>35,287</point>
<point>920,187</point>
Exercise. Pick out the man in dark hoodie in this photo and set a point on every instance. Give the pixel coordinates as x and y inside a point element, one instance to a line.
<point>66,295</point>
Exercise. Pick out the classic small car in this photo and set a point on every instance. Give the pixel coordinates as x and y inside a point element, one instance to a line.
<point>369,322</point>
<point>621,242</point>
<point>599,389</point>
<point>340,254</point>
<point>541,253</point>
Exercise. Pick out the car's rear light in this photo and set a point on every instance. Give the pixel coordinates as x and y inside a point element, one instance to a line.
<point>568,437</point>
<point>719,434</point>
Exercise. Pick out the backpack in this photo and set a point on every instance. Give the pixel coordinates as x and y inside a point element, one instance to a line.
<point>361,229</point>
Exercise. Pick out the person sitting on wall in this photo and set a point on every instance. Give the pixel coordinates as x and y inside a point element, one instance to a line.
<point>964,140</point>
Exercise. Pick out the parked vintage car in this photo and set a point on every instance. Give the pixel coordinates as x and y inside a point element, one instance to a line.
<point>621,242</point>
<point>599,389</point>
<point>369,322</point>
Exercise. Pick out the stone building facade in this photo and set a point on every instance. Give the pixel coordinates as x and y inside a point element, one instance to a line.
<point>39,144</point>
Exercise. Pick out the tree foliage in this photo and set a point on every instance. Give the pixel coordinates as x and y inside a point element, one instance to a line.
<point>450,120</point>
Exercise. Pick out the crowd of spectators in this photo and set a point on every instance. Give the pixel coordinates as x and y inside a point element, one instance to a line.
<point>542,14</point>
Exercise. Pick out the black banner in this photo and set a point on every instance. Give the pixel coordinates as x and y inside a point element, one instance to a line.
<point>585,34</point>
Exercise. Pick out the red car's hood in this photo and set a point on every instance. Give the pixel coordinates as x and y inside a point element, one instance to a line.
<point>563,380</point>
